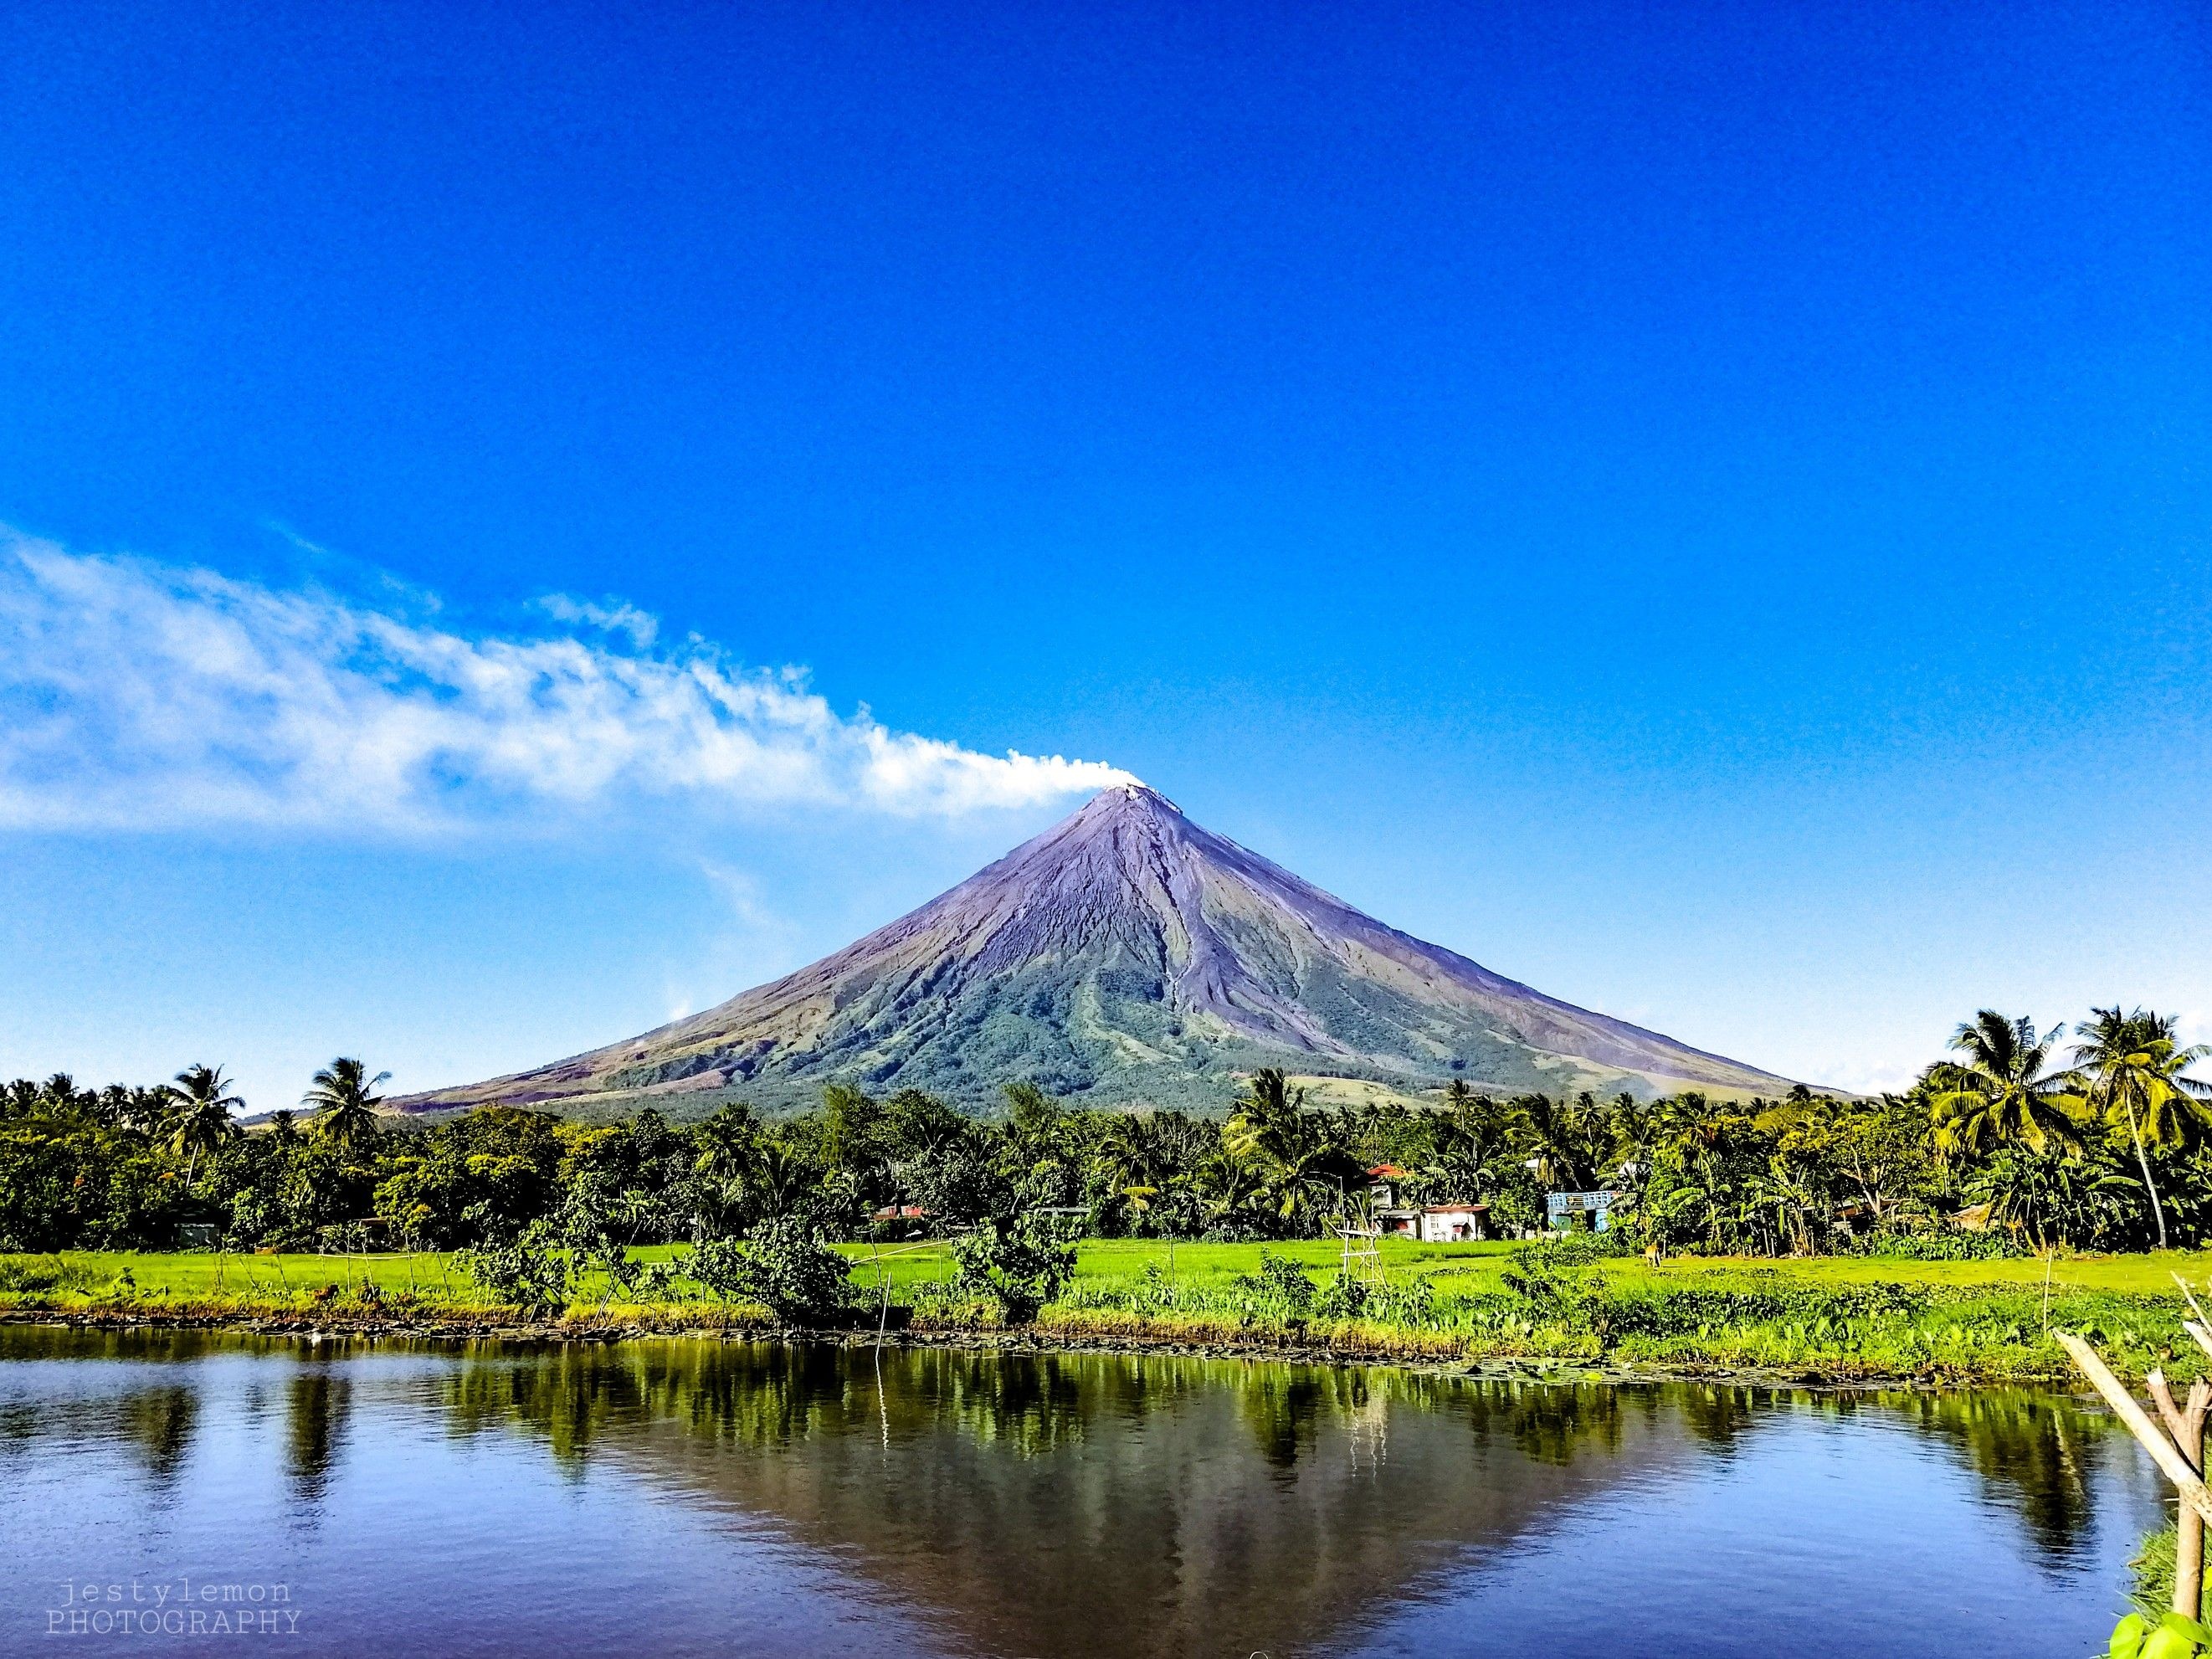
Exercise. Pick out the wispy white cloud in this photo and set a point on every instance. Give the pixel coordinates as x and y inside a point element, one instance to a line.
<point>136,694</point>
<point>612,617</point>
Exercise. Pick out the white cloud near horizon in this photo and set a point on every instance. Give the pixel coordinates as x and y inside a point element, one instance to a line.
<point>136,694</point>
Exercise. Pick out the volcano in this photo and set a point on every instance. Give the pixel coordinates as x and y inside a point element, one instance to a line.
<point>1124,958</point>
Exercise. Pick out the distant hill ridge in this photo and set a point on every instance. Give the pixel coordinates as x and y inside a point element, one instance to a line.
<point>1126,957</point>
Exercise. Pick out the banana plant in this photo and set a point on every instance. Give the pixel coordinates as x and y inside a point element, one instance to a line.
<point>2175,1636</point>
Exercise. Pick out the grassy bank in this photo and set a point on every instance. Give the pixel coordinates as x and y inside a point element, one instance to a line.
<point>1845,1319</point>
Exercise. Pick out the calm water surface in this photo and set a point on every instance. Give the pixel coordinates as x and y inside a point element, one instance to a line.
<point>693,1497</point>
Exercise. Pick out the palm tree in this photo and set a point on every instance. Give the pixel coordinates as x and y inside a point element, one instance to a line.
<point>1553,1135</point>
<point>1466,1145</point>
<point>776,1178</point>
<point>345,1101</point>
<point>201,1118</point>
<point>2131,1067</point>
<point>726,1144</point>
<point>1300,1161</point>
<point>1268,1124</point>
<point>1231,1190</point>
<point>2004,1092</point>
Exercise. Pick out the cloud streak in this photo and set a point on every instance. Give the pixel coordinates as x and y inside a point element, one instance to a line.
<point>140,696</point>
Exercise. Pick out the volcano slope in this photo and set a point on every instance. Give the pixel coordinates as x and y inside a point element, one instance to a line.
<point>1124,958</point>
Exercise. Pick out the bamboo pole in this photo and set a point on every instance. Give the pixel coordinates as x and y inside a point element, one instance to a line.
<point>2154,1439</point>
<point>2188,1548</point>
<point>2186,1424</point>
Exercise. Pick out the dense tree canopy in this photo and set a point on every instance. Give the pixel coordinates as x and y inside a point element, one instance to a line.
<point>2110,1150</point>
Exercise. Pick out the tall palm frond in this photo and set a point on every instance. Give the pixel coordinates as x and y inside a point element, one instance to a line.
<point>2004,1091</point>
<point>200,1118</point>
<point>345,1101</point>
<point>2131,1068</point>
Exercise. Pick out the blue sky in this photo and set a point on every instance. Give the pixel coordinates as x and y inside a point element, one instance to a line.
<point>1703,509</point>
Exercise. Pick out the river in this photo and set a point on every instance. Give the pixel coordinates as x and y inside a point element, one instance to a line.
<point>679,1497</point>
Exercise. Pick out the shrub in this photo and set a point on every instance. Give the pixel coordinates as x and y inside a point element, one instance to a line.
<point>529,1274</point>
<point>785,1266</point>
<point>1346,1297</point>
<point>1279,1286</point>
<point>1019,1264</point>
<point>1953,1245</point>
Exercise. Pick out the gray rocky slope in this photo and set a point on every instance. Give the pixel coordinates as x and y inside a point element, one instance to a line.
<point>1125,956</point>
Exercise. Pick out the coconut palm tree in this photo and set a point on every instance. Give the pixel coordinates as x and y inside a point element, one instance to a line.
<point>726,1143</point>
<point>345,1101</point>
<point>2131,1068</point>
<point>1302,1163</point>
<point>200,1117</point>
<point>1468,1149</point>
<point>2004,1092</point>
<point>1554,1135</point>
<point>776,1179</point>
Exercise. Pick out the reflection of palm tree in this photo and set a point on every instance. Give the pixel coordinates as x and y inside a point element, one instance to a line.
<point>2003,1092</point>
<point>160,1422</point>
<point>317,1408</point>
<point>202,1119</point>
<point>345,1101</point>
<point>1283,1410</point>
<point>2132,1068</point>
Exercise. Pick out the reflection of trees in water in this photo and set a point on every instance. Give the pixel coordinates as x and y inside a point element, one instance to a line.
<point>159,1424</point>
<point>1212,1501</point>
<point>1552,1423</point>
<point>1213,1507</point>
<point>2035,1452</point>
<point>762,1395</point>
<point>316,1406</point>
<point>1718,1417</point>
<point>1283,1408</point>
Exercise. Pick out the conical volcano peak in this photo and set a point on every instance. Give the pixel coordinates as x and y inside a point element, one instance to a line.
<point>1126,957</point>
<point>1146,795</point>
<point>1124,799</point>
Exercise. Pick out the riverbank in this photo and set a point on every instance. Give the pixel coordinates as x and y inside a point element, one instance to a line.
<point>1826,1322</point>
<point>1277,1347</point>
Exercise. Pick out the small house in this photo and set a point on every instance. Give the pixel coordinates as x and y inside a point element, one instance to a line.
<point>1436,1224</point>
<point>1570,1210</point>
<point>1385,1187</point>
<point>1454,1224</point>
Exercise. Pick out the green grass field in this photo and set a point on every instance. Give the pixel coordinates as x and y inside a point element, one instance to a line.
<point>1468,1266</point>
<point>1838,1316</point>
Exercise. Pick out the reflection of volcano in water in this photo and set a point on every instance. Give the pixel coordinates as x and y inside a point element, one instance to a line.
<point>1081,1504</point>
<point>1147,1507</point>
<point>779,1501</point>
<point>1097,1505</point>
